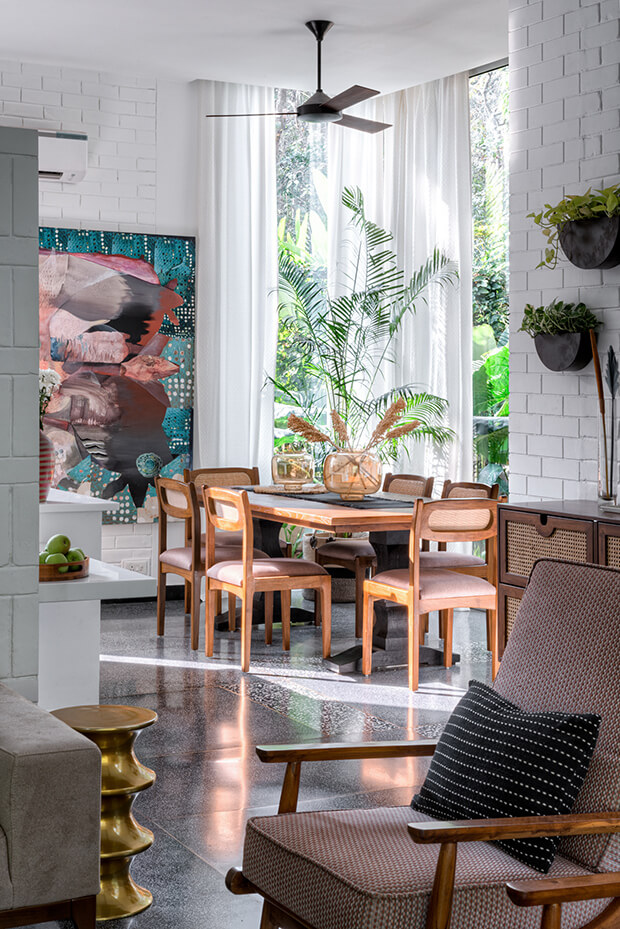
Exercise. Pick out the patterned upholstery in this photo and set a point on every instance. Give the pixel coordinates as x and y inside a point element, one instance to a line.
<point>559,657</point>
<point>361,869</point>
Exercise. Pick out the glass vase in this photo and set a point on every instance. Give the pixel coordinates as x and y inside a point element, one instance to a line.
<point>292,469</point>
<point>608,453</point>
<point>352,474</point>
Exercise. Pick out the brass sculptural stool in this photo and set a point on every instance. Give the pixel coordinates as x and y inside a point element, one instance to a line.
<point>114,730</point>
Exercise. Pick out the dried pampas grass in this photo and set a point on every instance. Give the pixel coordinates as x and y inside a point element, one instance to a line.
<point>309,432</point>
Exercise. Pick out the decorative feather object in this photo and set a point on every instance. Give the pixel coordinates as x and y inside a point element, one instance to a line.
<point>612,375</point>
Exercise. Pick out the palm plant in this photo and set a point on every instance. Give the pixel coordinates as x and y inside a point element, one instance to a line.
<point>346,342</point>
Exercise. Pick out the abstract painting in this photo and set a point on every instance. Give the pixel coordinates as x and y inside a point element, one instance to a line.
<point>117,320</point>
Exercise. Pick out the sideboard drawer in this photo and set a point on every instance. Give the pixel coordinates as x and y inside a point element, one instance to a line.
<point>609,544</point>
<point>526,537</point>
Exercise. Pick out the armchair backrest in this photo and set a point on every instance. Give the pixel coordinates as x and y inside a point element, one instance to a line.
<point>465,489</point>
<point>178,500</point>
<point>221,477</point>
<point>563,654</point>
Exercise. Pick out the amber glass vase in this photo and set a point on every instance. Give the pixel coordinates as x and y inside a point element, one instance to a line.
<point>292,469</point>
<point>352,474</point>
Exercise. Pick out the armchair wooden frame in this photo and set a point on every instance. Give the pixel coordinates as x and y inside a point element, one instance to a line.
<point>217,502</point>
<point>548,893</point>
<point>429,519</point>
<point>178,500</point>
<point>81,911</point>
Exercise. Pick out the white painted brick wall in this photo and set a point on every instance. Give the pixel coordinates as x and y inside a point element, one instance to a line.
<point>19,450</point>
<point>565,137</point>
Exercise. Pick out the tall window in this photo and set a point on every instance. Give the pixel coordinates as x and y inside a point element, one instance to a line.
<point>488,104</point>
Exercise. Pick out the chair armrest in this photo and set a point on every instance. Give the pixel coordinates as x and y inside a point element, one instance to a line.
<point>564,889</point>
<point>514,827</point>
<point>344,751</point>
<point>50,804</point>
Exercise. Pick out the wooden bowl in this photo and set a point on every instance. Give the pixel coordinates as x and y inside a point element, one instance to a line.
<point>51,572</point>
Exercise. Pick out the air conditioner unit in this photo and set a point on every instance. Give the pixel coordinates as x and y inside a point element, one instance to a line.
<point>63,156</point>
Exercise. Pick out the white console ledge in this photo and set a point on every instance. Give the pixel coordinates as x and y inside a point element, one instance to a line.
<point>104,582</point>
<point>65,501</point>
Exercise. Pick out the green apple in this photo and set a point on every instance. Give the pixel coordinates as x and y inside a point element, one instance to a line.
<point>43,557</point>
<point>58,544</point>
<point>73,555</point>
<point>59,559</point>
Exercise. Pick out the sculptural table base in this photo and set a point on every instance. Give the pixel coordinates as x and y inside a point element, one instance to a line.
<point>114,729</point>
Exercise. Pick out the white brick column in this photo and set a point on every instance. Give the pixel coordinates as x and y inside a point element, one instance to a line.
<point>565,137</point>
<point>19,448</point>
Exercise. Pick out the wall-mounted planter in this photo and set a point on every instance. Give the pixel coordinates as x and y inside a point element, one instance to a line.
<point>564,351</point>
<point>592,243</point>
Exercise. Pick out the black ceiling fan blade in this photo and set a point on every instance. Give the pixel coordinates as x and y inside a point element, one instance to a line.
<point>364,125</point>
<point>350,97</point>
<point>229,115</point>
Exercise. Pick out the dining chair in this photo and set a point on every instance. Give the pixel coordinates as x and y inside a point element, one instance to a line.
<point>242,577</point>
<point>178,500</point>
<point>460,561</point>
<point>392,866</point>
<point>423,590</point>
<point>358,555</point>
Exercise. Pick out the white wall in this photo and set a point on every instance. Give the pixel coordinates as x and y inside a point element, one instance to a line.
<point>19,449</point>
<point>565,137</point>
<point>142,136</point>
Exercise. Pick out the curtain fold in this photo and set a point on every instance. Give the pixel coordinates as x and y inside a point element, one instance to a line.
<point>236,318</point>
<point>416,179</point>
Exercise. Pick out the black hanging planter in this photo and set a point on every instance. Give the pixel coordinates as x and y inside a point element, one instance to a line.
<point>564,351</point>
<point>592,243</point>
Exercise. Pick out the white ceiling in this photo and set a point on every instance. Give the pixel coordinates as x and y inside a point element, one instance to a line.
<point>385,44</point>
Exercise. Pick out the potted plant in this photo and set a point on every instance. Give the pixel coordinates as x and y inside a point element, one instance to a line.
<point>561,333</point>
<point>345,345</point>
<point>586,226</point>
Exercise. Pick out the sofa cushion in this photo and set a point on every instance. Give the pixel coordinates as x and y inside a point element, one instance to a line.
<point>360,868</point>
<point>6,886</point>
<point>494,759</point>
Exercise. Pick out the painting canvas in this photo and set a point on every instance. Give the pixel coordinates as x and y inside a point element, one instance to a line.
<point>117,320</point>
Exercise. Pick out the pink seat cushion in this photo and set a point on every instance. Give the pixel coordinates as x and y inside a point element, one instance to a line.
<point>347,549</point>
<point>449,560</point>
<point>232,571</point>
<point>437,584</point>
<point>360,868</point>
<point>222,537</point>
<point>182,557</point>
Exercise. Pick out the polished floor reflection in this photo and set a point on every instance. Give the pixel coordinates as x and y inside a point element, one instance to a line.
<point>209,780</point>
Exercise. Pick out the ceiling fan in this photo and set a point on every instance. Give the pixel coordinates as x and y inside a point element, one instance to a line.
<point>319,108</point>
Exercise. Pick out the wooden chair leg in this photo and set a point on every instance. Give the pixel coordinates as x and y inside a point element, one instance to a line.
<point>210,601</point>
<point>188,597</point>
<point>218,602</point>
<point>318,618</point>
<point>494,649</point>
<point>161,602</point>
<point>232,612</point>
<point>442,624</point>
<point>447,639</point>
<point>246,627</point>
<point>195,614</point>
<point>360,577</point>
<point>551,916</point>
<point>267,921</point>
<point>368,622</point>
<point>487,616</point>
<point>285,609</point>
<point>413,647</point>
<point>325,594</point>
<point>423,627</point>
<point>268,616</point>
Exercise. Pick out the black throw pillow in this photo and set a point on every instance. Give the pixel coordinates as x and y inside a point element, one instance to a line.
<point>494,759</point>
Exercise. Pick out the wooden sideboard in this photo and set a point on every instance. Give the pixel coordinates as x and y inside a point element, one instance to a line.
<point>575,530</point>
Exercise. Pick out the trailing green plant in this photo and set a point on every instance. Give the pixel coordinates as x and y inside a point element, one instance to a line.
<point>591,205</point>
<point>558,317</point>
<point>345,343</point>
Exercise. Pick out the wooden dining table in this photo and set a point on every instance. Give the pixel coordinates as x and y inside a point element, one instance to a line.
<point>388,527</point>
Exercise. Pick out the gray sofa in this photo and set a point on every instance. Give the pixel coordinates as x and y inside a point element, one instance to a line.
<point>50,807</point>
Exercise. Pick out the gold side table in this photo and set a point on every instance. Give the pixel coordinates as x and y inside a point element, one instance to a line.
<point>114,730</point>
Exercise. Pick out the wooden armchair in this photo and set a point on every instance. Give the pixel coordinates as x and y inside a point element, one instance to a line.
<point>393,868</point>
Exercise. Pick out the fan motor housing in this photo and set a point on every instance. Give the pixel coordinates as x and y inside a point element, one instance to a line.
<point>314,110</point>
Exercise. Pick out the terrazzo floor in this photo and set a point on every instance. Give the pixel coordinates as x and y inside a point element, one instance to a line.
<point>211,716</point>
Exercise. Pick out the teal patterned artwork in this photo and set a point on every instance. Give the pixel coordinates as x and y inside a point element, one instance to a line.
<point>117,322</point>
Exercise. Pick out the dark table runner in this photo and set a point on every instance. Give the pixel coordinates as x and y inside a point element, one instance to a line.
<point>368,503</point>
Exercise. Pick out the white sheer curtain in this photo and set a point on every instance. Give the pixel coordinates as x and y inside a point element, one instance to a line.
<point>236,319</point>
<point>416,181</point>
